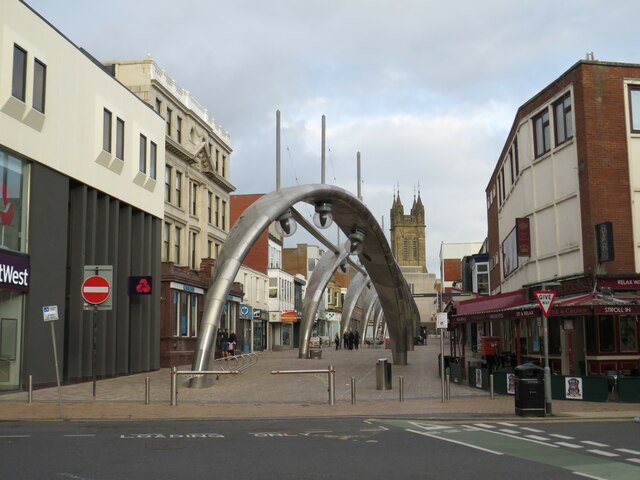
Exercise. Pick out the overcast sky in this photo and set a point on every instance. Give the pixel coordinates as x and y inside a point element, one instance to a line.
<point>425,90</point>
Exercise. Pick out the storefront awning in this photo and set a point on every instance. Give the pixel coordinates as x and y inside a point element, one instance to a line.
<point>584,304</point>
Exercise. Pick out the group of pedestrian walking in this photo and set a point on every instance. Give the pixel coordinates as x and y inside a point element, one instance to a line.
<point>227,342</point>
<point>350,340</point>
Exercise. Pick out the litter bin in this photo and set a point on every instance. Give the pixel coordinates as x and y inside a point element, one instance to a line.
<point>529,390</point>
<point>315,353</point>
<point>383,374</point>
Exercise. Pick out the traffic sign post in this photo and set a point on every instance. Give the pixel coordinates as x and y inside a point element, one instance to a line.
<point>96,292</point>
<point>545,300</point>
<point>50,315</point>
<point>442,322</point>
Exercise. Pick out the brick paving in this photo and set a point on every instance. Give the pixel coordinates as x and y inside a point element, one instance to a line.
<point>256,393</point>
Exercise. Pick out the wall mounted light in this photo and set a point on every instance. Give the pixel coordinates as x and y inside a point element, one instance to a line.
<point>286,225</point>
<point>323,218</point>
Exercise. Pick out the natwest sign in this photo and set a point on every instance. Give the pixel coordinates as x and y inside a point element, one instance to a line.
<point>15,272</point>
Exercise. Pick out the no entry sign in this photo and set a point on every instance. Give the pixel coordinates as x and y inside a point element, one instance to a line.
<point>95,290</point>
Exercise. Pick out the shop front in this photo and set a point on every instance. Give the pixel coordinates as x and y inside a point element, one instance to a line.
<point>259,330</point>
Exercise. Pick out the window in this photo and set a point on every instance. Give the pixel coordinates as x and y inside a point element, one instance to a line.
<point>193,194</point>
<point>329,297</point>
<point>185,314</point>
<point>504,192</point>
<point>209,206</point>
<point>39,85</point>
<point>178,188</point>
<point>513,162</point>
<point>167,184</point>
<point>158,105</point>
<point>224,215</point>
<point>217,161</point>
<point>192,248</point>
<point>273,287</point>
<point>142,162</point>
<point>541,133</point>
<point>153,160</point>
<point>606,334</point>
<point>166,234</point>
<point>628,334</point>
<point>217,211</point>
<point>562,119</point>
<point>415,248</point>
<point>405,249</point>
<point>179,129</point>
<point>120,139</point>
<point>634,107</point>
<point>224,164</point>
<point>176,244</point>
<point>169,113</point>
<point>19,83</point>
<point>209,249</point>
<point>106,131</point>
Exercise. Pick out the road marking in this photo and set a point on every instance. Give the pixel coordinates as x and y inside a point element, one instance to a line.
<point>507,424</point>
<point>603,453</point>
<point>534,430</point>
<point>484,425</point>
<point>634,460</point>
<point>15,436</point>
<point>518,437</point>
<point>79,435</point>
<point>588,476</point>
<point>512,432</point>
<point>564,437</point>
<point>625,450</point>
<point>455,441</point>
<point>570,445</point>
<point>538,437</point>
<point>429,426</point>
<point>595,444</point>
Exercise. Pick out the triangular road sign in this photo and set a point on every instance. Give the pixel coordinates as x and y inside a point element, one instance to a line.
<point>545,300</point>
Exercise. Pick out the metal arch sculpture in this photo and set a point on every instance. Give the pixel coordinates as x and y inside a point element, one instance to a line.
<point>318,281</point>
<point>367,307</point>
<point>378,316</point>
<point>354,291</point>
<point>349,213</point>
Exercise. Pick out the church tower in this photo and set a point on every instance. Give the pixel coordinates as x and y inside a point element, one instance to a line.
<point>408,242</point>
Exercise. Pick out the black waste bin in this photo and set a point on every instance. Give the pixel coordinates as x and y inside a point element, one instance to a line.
<point>383,374</point>
<point>529,390</point>
<point>448,360</point>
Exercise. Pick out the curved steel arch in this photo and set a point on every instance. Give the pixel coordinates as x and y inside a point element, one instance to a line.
<point>318,281</point>
<point>354,291</point>
<point>349,213</point>
<point>368,305</point>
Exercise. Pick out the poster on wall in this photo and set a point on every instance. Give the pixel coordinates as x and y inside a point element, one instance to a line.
<point>573,388</point>
<point>478,378</point>
<point>511,383</point>
<point>510,253</point>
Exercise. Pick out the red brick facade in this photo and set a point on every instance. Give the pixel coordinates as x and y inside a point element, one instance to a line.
<point>258,255</point>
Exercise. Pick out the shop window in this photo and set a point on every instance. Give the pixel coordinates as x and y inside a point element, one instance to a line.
<point>554,336</point>
<point>606,334</point>
<point>186,314</point>
<point>629,334</point>
<point>13,180</point>
<point>590,335</point>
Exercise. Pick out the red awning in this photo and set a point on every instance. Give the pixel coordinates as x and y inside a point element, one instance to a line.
<point>578,305</point>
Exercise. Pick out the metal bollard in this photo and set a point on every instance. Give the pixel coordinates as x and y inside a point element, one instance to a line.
<point>332,385</point>
<point>174,386</point>
<point>30,390</point>
<point>448,386</point>
<point>401,387</point>
<point>147,391</point>
<point>491,386</point>
<point>353,390</point>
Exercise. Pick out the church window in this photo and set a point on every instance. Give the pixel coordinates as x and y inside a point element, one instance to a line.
<point>405,249</point>
<point>415,248</point>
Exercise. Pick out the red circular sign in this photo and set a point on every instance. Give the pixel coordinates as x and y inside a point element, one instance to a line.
<point>95,290</point>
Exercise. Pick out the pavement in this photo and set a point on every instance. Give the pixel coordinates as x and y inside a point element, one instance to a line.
<point>257,393</point>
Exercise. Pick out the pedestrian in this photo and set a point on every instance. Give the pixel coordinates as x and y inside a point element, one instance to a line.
<point>337,340</point>
<point>356,339</point>
<point>224,343</point>
<point>350,340</point>
<point>345,340</point>
<point>233,340</point>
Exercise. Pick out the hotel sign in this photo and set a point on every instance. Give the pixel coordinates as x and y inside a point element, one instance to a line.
<point>619,283</point>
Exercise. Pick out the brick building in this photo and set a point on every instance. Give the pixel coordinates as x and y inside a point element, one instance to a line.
<point>562,208</point>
